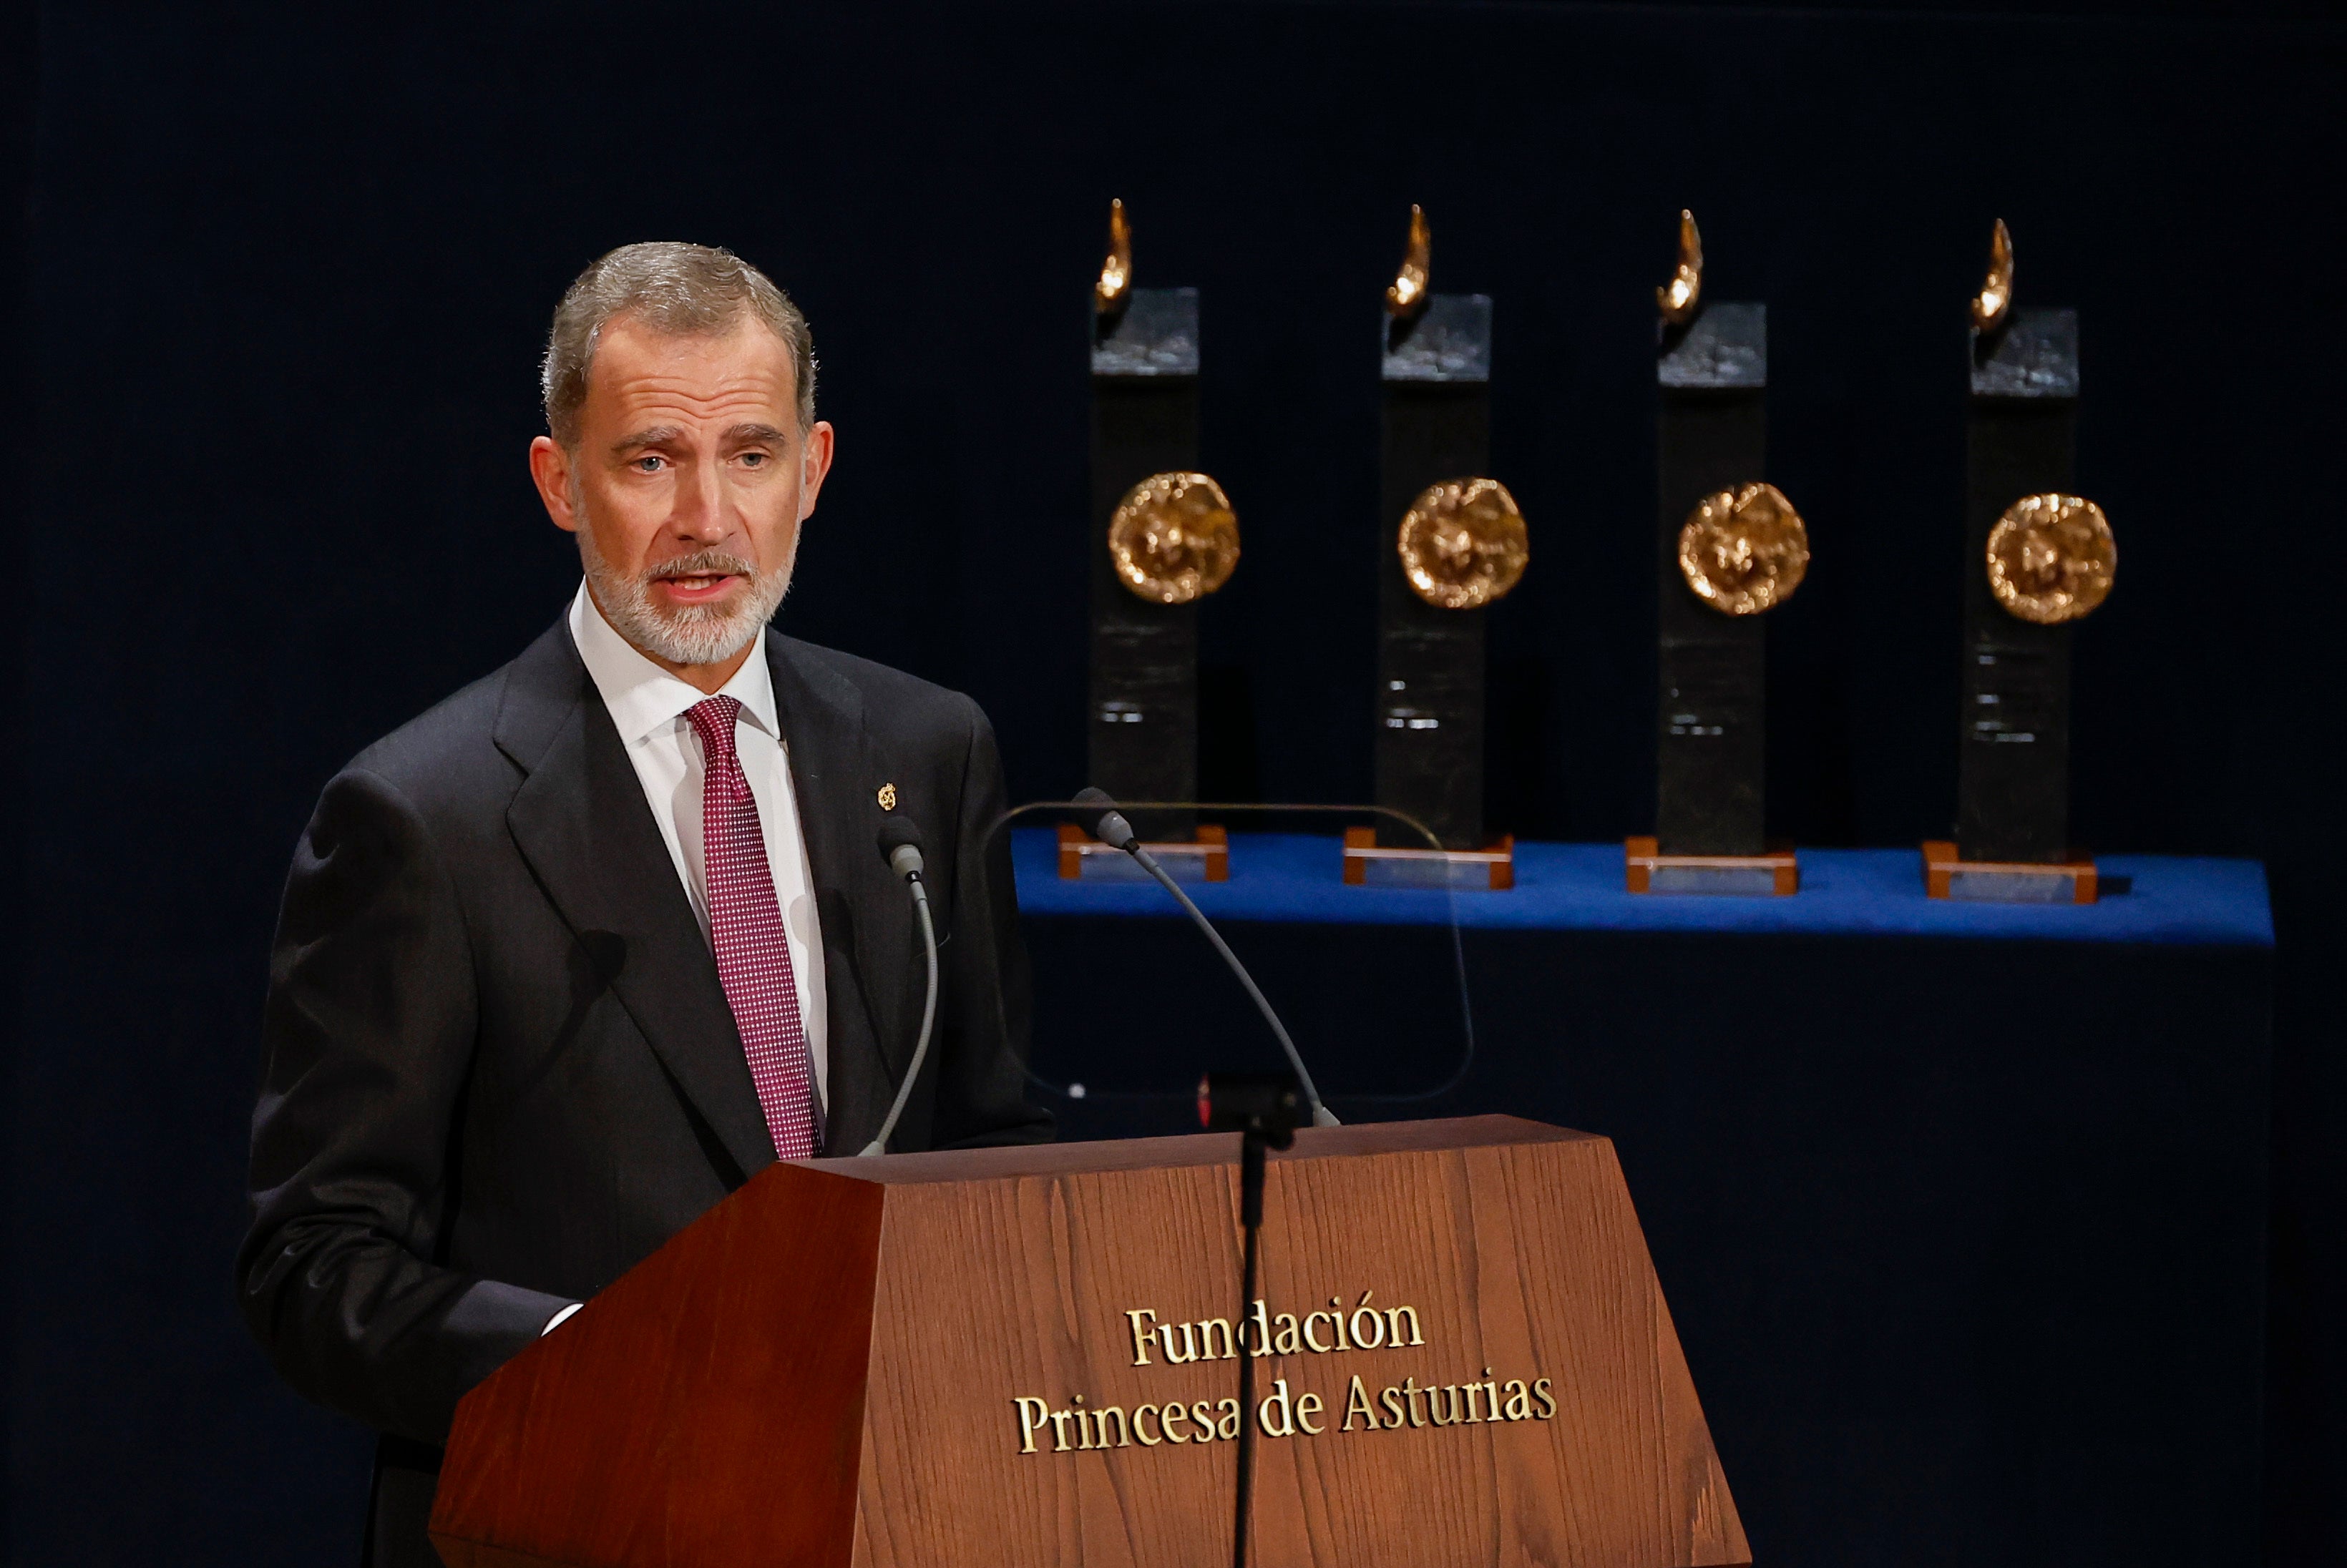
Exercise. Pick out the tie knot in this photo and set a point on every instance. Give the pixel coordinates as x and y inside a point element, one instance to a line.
<point>712,721</point>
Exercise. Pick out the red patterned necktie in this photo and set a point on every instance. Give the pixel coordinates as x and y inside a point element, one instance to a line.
<point>746,927</point>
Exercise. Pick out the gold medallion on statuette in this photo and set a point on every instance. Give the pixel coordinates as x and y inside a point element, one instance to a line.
<point>1744,550</point>
<point>1173,538</point>
<point>2051,558</point>
<point>1463,544</point>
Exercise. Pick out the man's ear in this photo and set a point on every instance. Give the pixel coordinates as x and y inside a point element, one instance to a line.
<point>549,470</point>
<point>814,462</point>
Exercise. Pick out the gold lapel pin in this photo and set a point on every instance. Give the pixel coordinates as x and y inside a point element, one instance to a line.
<point>887,797</point>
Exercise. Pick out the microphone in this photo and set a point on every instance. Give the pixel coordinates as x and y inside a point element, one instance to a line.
<point>1107,824</point>
<point>900,846</point>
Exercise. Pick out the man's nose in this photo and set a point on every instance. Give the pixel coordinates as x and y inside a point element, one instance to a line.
<point>700,508</point>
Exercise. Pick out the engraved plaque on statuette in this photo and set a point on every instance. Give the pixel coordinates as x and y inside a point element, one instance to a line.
<point>2034,354</point>
<point>1450,340</point>
<point>1156,334</point>
<point>1726,347</point>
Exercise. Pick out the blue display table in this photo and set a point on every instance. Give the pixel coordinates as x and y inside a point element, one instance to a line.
<point>1564,887</point>
<point>1960,1208</point>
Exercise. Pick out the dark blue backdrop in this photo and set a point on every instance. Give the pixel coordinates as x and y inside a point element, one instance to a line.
<point>284,275</point>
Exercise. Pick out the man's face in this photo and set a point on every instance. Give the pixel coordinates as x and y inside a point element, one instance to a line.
<point>687,488</point>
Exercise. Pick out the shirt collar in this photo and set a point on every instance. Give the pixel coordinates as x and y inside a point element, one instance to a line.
<point>642,698</point>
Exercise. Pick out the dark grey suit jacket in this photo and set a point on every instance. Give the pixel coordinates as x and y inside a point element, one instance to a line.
<point>500,1069</point>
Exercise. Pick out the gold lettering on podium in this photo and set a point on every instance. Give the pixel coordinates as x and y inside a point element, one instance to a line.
<point>1289,1410</point>
<point>1032,1413</point>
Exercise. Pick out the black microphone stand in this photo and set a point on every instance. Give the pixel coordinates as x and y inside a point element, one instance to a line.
<point>1252,1148</point>
<point>1263,1108</point>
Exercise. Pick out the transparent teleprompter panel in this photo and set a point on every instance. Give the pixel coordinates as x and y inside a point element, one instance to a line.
<point>1132,1004</point>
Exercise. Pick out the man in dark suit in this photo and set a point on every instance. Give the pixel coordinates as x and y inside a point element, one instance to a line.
<point>569,958</point>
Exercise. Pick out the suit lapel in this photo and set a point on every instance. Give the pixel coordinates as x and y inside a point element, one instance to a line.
<point>581,821</point>
<point>835,775</point>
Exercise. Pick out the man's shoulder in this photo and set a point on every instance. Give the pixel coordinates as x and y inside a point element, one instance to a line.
<point>446,755</point>
<point>894,702</point>
<point>450,751</point>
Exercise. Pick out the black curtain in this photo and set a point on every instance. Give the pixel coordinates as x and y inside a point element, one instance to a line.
<point>282,286</point>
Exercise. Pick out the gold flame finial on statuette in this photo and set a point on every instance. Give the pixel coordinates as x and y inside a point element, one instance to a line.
<point>1115,283</point>
<point>1677,300</point>
<point>1406,295</point>
<point>1995,299</point>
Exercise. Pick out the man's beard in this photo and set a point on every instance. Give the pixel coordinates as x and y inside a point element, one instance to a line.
<point>688,633</point>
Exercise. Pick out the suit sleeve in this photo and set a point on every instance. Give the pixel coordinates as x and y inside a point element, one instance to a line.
<point>367,1034</point>
<point>981,1093</point>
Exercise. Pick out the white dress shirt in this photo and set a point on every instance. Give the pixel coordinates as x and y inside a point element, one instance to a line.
<point>649,705</point>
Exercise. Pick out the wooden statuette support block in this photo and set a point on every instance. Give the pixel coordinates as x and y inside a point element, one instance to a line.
<point>1370,864</point>
<point>1650,871</point>
<point>1026,1357</point>
<point>1948,875</point>
<point>1204,859</point>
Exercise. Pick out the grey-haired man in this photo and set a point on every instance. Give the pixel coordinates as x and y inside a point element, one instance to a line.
<point>569,958</point>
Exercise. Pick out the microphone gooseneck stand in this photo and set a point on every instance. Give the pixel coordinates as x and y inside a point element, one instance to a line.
<point>1110,826</point>
<point>1252,1146</point>
<point>900,842</point>
<point>1261,1107</point>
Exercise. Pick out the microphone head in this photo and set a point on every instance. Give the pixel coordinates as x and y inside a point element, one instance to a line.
<point>1104,821</point>
<point>900,844</point>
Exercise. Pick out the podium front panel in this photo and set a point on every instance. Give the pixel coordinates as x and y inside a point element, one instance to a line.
<point>1468,1360</point>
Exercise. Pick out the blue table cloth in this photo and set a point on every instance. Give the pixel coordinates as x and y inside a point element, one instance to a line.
<point>1295,877</point>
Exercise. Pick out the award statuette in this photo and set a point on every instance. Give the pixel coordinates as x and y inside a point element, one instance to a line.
<point>1163,537</point>
<point>1730,547</point>
<point>2037,558</point>
<point>1451,541</point>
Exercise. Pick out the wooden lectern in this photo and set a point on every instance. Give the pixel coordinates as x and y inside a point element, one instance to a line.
<point>1026,1355</point>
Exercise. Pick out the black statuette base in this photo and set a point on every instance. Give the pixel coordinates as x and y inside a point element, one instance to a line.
<point>1711,763</point>
<point>1142,718</point>
<point>2013,793</point>
<point>1436,426</point>
<point>1143,744</point>
<point>1710,741</point>
<point>1429,744</point>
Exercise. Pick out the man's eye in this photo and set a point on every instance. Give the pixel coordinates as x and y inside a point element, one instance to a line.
<point>754,458</point>
<point>649,464</point>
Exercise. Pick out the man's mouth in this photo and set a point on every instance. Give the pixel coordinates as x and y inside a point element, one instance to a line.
<point>697,587</point>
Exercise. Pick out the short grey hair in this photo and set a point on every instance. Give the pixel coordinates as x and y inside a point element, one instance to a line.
<point>674,288</point>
